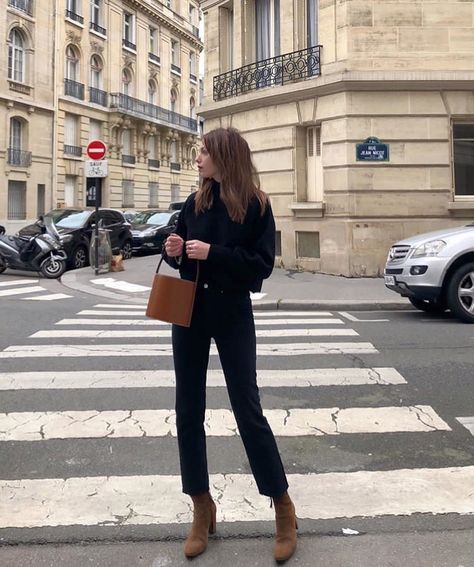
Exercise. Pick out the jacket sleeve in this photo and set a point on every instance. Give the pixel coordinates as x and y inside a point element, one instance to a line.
<point>181,230</point>
<point>253,261</point>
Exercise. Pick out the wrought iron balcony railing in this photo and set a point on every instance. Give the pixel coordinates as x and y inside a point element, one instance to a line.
<point>193,77</point>
<point>149,111</point>
<point>22,5</point>
<point>279,70</point>
<point>175,166</point>
<point>74,17</point>
<point>19,157</point>
<point>97,96</point>
<point>99,29</point>
<point>128,159</point>
<point>129,44</point>
<point>73,88</point>
<point>154,163</point>
<point>195,31</point>
<point>75,151</point>
<point>153,57</point>
<point>175,68</point>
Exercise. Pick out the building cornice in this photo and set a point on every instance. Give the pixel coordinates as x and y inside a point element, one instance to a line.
<point>340,82</point>
<point>26,103</point>
<point>160,17</point>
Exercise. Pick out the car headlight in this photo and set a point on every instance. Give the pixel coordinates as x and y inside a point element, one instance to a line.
<point>149,232</point>
<point>66,238</point>
<point>432,248</point>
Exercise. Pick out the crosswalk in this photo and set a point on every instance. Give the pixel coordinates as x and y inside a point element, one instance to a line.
<point>29,287</point>
<point>113,352</point>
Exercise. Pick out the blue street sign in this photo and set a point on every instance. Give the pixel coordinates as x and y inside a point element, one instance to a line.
<point>372,149</point>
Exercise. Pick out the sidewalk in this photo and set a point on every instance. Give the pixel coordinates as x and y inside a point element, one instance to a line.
<point>283,290</point>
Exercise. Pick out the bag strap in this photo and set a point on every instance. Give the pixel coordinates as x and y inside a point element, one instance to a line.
<point>197,269</point>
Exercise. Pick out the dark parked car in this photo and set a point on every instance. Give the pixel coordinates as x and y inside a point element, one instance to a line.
<point>79,223</point>
<point>150,228</point>
<point>176,206</point>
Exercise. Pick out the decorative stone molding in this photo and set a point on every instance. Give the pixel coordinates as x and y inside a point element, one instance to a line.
<point>73,37</point>
<point>97,47</point>
<point>128,62</point>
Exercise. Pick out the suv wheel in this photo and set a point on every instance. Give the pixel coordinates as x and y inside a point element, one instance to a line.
<point>461,293</point>
<point>428,306</point>
<point>126,250</point>
<point>79,257</point>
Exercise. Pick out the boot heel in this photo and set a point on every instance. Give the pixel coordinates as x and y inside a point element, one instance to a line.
<point>212,525</point>
<point>296,523</point>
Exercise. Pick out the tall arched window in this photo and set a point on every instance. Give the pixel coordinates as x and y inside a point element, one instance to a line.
<point>126,82</point>
<point>72,63</point>
<point>16,134</point>
<point>174,100</point>
<point>152,92</point>
<point>192,107</point>
<point>96,72</point>
<point>16,56</point>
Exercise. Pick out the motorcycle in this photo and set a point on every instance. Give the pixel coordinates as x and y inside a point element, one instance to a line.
<point>42,252</point>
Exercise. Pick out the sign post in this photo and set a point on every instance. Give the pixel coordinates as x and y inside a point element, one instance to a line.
<point>96,168</point>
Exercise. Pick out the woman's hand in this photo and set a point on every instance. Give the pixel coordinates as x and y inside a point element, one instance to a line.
<point>197,250</point>
<point>174,245</point>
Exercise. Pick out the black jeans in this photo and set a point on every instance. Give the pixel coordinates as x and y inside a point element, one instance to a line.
<point>228,319</point>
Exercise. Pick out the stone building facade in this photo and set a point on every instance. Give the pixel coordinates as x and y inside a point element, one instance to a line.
<point>306,81</point>
<point>124,71</point>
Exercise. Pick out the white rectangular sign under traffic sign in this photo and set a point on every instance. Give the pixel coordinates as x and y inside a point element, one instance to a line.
<point>95,168</point>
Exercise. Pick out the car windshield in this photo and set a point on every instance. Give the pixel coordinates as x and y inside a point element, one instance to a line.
<point>70,219</point>
<point>147,217</point>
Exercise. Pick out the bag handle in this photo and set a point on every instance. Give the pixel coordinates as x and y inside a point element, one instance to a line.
<point>197,270</point>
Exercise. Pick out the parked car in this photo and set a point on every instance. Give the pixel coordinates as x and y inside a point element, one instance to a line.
<point>435,271</point>
<point>130,214</point>
<point>151,227</point>
<point>176,205</point>
<point>80,223</point>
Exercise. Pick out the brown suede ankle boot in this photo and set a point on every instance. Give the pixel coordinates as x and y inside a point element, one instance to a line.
<point>204,523</point>
<point>286,526</point>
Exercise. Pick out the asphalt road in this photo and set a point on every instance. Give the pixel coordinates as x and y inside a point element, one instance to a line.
<point>433,355</point>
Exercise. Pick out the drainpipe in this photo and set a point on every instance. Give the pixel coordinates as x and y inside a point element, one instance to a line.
<point>54,153</point>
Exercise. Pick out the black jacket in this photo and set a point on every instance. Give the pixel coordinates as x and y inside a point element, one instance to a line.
<point>241,254</point>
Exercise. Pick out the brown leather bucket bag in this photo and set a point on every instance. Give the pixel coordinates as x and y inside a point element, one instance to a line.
<point>172,299</point>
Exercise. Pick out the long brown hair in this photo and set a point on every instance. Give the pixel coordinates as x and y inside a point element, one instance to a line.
<point>239,178</point>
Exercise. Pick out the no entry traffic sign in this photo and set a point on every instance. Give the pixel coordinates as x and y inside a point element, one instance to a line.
<point>96,150</point>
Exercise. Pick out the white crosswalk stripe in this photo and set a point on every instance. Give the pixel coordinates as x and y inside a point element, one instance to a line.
<point>9,289</point>
<point>143,499</point>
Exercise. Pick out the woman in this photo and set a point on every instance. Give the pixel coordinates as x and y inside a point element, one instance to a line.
<point>228,227</point>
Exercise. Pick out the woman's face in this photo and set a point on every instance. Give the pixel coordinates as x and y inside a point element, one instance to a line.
<point>205,165</point>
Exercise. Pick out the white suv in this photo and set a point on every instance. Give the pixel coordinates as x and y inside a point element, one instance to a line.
<point>435,271</point>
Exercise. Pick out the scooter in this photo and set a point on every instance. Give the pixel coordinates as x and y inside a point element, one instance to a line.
<point>42,252</point>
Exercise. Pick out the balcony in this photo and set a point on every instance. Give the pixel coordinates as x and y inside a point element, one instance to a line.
<point>195,31</point>
<point>279,70</point>
<point>19,157</point>
<point>153,164</point>
<point>128,44</point>
<point>73,88</point>
<point>148,111</point>
<point>70,15</point>
<point>154,58</point>
<point>193,77</point>
<point>99,29</point>
<point>175,68</point>
<point>128,160</point>
<point>98,97</point>
<point>22,5</point>
<point>75,151</point>
<point>175,166</point>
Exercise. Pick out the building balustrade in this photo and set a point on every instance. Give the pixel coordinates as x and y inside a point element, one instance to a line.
<point>175,166</point>
<point>130,160</point>
<point>99,29</point>
<point>279,70</point>
<point>148,111</point>
<point>130,45</point>
<point>73,88</point>
<point>154,163</point>
<point>22,5</point>
<point>74,17</point>
<point>98,96</point>
<point>19,157</point>
<point>75,151</point>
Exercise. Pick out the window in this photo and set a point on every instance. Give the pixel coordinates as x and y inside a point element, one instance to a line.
<point>192,108</point>
<point>173,100</point>
<point>71,132</point>
<point>126,143</point>
<point>312,9</point>
<point>192,14</point>
<point>463,160</point>
<point>278,243</point>
<point>267,18</point>
<point>16,134</point>
<point>126,82</point>
<point>72,63</point>
<point>96,72</point>
<point>226,39</point>
<point>152,91</point>
<point>174,192</point>
<point>314,165</point>
<point>41,199</point>
<point>154,200</point>
<point>73,6</point>
<point>96,12</point>
<point>127,193</point>
<point>192,65</point>
<point>128,29</point>
<point>16,56</point>
<point>70,191</point>
<point>174,53</point>
<point>174,151</point>
<point>153,48</point>
<point>151,148</point>
<point>16,200</point>
<point>95,129</point>
<point>307,245</point>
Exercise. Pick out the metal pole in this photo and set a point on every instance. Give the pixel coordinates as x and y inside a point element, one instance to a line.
<point>97,193</point>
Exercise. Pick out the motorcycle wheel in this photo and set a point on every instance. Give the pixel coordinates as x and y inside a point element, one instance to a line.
<point>52,269</point>
<point>3,265</point>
